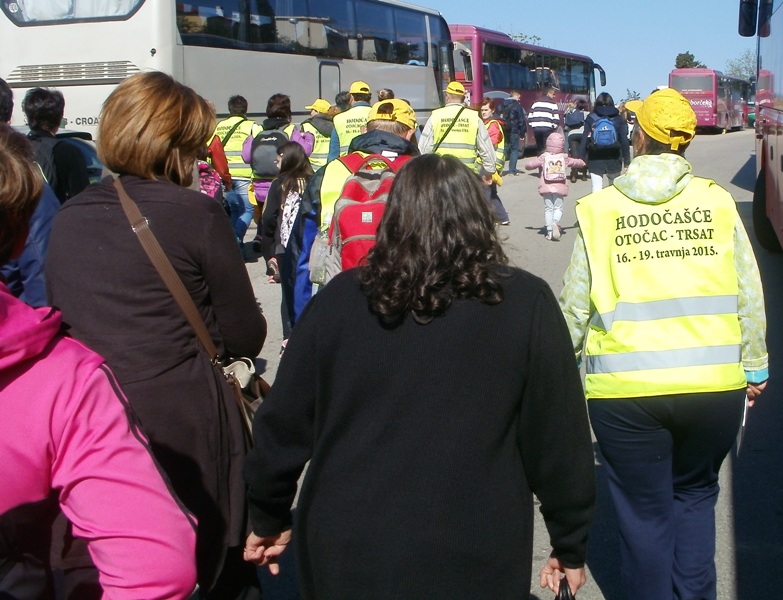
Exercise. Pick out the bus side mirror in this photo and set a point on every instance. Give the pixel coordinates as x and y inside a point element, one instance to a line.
<point>601,74</point>
<point>748,10</point>
<point>765,14</point>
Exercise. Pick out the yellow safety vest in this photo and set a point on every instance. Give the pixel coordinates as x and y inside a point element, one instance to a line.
<point>461,140</point>
<point>349,124</point>
<point>664,290</point>
<point>500,149</point>
<point>233,146</point>
<point>320,148</point>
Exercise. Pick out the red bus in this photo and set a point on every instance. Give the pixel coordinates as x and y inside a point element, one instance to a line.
<point>766,21</point>
<point>719,101</point>
<point>492,64</point>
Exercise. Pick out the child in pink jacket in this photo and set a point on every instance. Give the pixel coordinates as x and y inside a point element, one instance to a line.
<point>553,165</point>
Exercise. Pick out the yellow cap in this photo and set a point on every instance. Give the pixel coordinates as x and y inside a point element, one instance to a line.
<point>359,87</point>
<point>456,88</point>
<point>666,116</point>
<point>393,109</point>
<point>322,106</point>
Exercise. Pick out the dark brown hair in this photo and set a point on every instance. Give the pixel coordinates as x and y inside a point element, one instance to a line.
<point>436,243</point>
<point>295,168</point>
<point>279,107</point>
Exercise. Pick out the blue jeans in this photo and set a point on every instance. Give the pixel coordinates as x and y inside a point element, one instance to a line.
<point>512,151</point>
<point>241,209</point>
<point>662,458</point>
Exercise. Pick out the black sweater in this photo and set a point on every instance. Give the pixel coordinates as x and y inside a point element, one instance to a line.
<point>426,444</point>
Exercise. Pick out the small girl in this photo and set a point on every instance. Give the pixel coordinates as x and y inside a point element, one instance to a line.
<point>552,186</point>
<point>280,211</point>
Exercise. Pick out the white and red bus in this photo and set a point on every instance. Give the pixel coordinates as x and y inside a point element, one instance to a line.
<point>719,101</point>
<point>307,49</point>
<point>492,64</point>
<point>765,19</point>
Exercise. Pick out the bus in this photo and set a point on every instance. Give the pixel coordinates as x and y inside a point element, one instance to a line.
<point>765,21</point>
<point>719,101</point>
<point>307,49</point>
<point>492,64</point>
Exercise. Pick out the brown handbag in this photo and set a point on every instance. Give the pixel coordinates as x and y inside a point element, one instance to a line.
<point>248,386</point>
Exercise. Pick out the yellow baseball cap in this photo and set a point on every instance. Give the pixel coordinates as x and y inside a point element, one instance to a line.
<point>456,88</point>
<point>666,116</point>
<point>394,109</point>
<point>359,87</point>
<point>322,106</point>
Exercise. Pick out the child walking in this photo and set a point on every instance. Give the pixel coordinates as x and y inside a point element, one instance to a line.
<point>553,187</point>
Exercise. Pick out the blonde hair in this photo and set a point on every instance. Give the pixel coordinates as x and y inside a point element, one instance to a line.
<point>152,126</point>
<point>389,126</point>
<point>21,185</point>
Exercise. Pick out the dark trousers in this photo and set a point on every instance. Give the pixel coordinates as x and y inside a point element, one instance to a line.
<point>512,150</point>
<point>541,134</point>
<point>662,457</point>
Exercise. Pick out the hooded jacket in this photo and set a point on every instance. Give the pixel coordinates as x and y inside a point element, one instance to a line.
<point>64,425</point>
<point>554,145</point>
<point>656,180</point>
<point>601,161</point>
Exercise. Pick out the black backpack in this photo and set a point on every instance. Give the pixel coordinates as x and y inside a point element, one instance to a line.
<point>263,153</point>
<point>44,155</point>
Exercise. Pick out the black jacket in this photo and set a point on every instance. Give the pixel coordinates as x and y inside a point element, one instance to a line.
<point>601,161</point>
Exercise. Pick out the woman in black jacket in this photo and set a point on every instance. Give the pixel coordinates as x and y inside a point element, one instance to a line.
<point>604,155</point>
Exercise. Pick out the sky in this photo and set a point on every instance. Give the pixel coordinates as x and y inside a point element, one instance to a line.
<point>636,43</point>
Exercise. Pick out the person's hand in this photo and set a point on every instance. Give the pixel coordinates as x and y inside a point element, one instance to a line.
<point>487,179</point>
<point>549,577</point>
<point>265,550</point>
<point>754,391</point>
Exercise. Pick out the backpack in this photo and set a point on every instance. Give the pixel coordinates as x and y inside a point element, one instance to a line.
<point>44,155</point>
<point>604,134</point>
<point>263,153</point>
<point>357,213</point>
<point>574,120</point>
<point>554,167</point>
<point>209,181</point>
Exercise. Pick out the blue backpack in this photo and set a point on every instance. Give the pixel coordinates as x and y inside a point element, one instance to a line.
<point>604,134</point>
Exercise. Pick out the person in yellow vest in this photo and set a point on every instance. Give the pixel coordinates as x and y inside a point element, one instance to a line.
<point>389,131</point>
<point>663,291</point>
<point>495,130</point>
<point>321,126</point>
<point>232,133</point>
<point>348,124</point>
<point>467,139</point>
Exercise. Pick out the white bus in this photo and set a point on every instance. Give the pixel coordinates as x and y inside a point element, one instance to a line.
<point>307,49</point>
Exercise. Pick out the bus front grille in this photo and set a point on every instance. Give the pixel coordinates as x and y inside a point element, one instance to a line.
<point>94,73</point>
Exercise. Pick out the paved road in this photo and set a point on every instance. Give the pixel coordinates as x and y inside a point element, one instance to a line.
<point>750,511</point>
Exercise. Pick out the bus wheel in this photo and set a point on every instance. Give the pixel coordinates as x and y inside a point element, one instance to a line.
<point>765,232</point>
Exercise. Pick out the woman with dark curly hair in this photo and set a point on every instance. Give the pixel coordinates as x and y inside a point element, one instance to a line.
<point>433,391</point>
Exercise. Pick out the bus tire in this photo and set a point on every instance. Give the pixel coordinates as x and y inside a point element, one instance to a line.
<point>765,232</point>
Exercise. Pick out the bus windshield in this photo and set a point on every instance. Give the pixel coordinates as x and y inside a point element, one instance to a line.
<point>690,83</point>
<point>24,12</point>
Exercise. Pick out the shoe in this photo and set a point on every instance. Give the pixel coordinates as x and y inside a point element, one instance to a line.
<point>282,348</point>
<point>549,235</point>
<point>555,231</point>
<point>573,177</point>
<point>506,222</point>
<point>257,244</point>
<point>584,177</point>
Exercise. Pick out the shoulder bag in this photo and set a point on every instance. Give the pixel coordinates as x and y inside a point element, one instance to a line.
<point>249,388</point>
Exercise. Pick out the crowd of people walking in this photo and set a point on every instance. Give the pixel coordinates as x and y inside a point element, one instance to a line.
<point>424,382</point>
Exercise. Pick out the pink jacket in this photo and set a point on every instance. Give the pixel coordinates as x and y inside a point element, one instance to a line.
<point>554,145</point>
<point>64,425</point>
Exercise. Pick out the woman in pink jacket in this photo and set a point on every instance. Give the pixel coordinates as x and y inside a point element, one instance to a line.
<point>553,185</point>
<point>67,435</point>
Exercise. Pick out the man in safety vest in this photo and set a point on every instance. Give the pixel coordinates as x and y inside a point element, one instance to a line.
<point>460,132</point>
<point>664,291</point>
<point>232,133</point>
<point>389,130</point>
<point>348,124</point>
<point>321,126</point>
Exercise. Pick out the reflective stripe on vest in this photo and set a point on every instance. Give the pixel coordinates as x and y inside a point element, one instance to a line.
<point>320,147</point>
<point>461,140</point>
<point>233,147</point>
<point>665,293</point>
<point>500,149</point>
<point>349,124</point>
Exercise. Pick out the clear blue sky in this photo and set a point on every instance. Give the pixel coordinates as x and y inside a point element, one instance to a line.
<point>637,49</point>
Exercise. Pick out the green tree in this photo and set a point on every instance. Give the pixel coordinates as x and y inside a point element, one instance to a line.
<point>525,38</point>
<point>744,66</point>
<point>686,60</point>
<point>631,95</point>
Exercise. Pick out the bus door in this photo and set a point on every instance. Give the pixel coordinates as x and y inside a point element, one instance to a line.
<point>445,69</point>
<point>328,80</point>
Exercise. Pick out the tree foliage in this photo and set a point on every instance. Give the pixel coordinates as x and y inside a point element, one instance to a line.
<point>744,66</point>
<point>631,95</point>
<point>525,38</point>
<point>686,60</point>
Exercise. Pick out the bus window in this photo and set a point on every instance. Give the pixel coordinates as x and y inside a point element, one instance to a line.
<point>411,47</point>
<point>375,29</point>
<point>38,11</point>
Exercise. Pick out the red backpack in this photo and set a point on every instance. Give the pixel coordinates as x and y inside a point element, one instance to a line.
<point>357,213</point>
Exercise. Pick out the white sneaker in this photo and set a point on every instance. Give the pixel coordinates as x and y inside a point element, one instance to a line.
<point>555,231</point>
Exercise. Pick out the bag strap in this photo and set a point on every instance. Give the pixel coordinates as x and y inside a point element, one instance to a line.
<point>165,269</point>
<point>231,132</point>
<point>443,137</point>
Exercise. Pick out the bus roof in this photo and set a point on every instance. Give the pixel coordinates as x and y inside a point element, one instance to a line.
<point>504,38</point>
<point>691,71</point>
<point>415,7</point>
